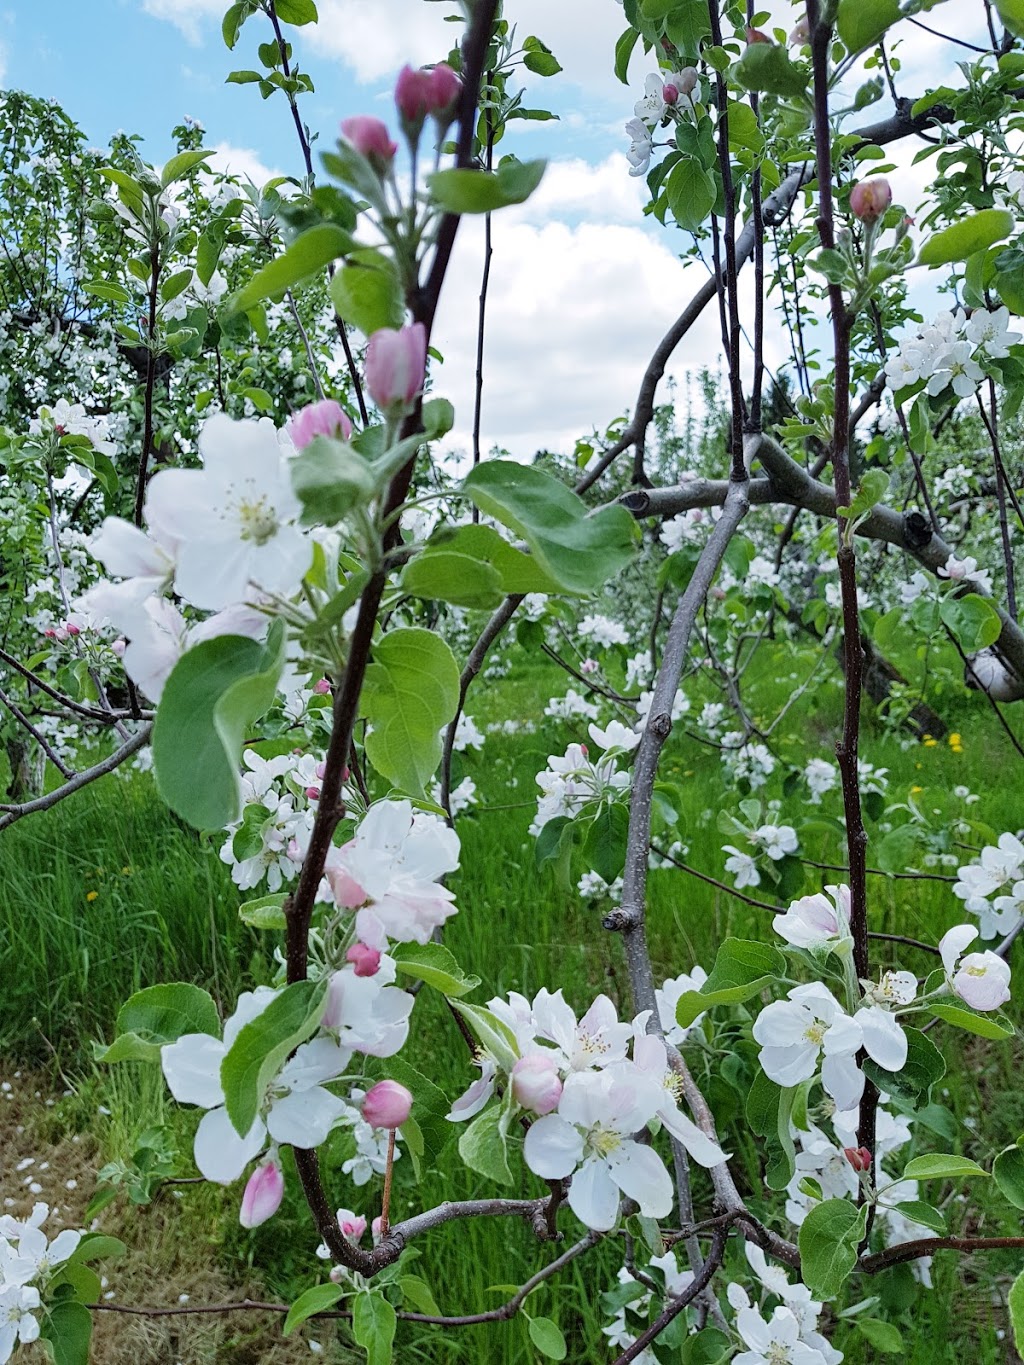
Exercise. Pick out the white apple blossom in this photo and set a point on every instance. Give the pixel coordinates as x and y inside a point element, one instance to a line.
<point>570,706</point>
<point>982,980</point>
<point>614,736</point>
<point>776,840</point>
<point>967,571</point>
<point>955,368</point>
<point>17,1320</point>
<point>743,867</point>
<point>775,1342</point>
<point>603,631</point>
<point>650,1056</point>
<point>641,145</point>
<point>235,520</point>
<point>910,592</point>
<point>598,1040</point>
<point>572,781</point>
<point>591,1139</point>
<point>821,777</point>
<point>667,997</point>
<point>818,921</point>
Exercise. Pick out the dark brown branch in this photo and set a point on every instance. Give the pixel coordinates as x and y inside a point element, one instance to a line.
<point>131,746</point>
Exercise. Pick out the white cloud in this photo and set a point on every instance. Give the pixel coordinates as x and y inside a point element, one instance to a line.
<point>241,161</point>
<point>3,65</point>
<point>186,15</point>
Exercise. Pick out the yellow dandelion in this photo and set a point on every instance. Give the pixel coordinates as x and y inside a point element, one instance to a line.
<point>955,740</point>
<point>914,791</point>
<point>91,895</point>
<point>930,743</point>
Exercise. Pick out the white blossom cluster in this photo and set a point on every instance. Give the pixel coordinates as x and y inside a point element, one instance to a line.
<point>998,868</point>
<point>954,352</point>
<point>28,1260</point>
<point>573,781</point>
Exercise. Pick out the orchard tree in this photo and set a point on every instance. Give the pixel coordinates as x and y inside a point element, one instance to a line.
<point>226,516</point>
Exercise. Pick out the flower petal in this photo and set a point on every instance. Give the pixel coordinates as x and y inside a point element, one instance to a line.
<point>220,1153</point>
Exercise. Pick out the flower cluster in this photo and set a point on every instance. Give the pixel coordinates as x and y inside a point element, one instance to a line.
<point>998,868</point>
<point>589,1099</point>
<point>953,353</point>
<point>668,96</point>
<point>573,782</point>
<point>28,1261</point>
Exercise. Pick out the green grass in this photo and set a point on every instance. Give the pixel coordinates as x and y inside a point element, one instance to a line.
<point>67,962</point>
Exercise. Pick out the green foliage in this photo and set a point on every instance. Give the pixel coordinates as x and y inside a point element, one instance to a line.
<point>829,1238</point>
<point>972,619</point>
<point>960,240</point>
<point>579,550</point>
<point>768,68</point>
<point>923,1067</point>
<point>435,965</point>
<point>1008,1170</point>
<point>67,1328</point>
<point>312,251</point>
<point>158,1015</point>
<point>548,1339</point>
<point>467,191</point>
<point>861,23</point>
<point>263,1044</point>
<point>373,1326</point>
<point>368,294</point>
<point>410,693</point>
<point>742,970</point>
<point>942,1166</point>
<point>483,1146</point>
<point>331,479</point>
<point>317,1299</point>
<point>216,690</point>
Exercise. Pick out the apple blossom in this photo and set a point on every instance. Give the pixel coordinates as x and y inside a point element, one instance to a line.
<point>370,137</point>
<point>17,1322</point>
<point>793,1034</point>
<point>368,1013</point>
<point>352,1225</point>
<point>387,1105</point>
<point>640,147</point>
<point>869,199</point>
<point>981,980</point>
<point>667,997</point>
<point>650,1057</point>
<point>816,922</point>
<point>263,1193</point>
<point>598,1040</point>
<point>535,1082</point>
<point>396,366</point>
<point>365,960</point>
<point>775,1342</point>
<point>235,519</point>
<point>325,418</point>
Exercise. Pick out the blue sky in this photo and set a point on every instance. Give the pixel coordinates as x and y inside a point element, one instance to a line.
<point>583,287</point>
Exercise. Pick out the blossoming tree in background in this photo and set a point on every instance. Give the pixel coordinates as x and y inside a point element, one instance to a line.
<point>215,559</point>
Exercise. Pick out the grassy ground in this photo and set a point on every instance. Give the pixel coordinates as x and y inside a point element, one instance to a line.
<point>107,893</point>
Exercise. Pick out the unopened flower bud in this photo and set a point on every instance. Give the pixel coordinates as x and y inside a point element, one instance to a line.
<point>326,418</point>
<point>375,1230</point>
<point>263,1194</point>
<point>869,199</point>
<point>535,1082</point>
<point>365,960</point>
<point>119,647</point>
<point>685,80</point>
<point>387,1105</point>
<point>858,1157</point>
<point>371,139</point>
<point>321,687</point>
<point>413,98</point>
<point>72,629</point>
<point>445,89</point>
<point>321,769</point>
<point>754,35</point>
<point>312,793</point>
<point>396,365</point>
<point>50,633</point>
<point>338,1274</point>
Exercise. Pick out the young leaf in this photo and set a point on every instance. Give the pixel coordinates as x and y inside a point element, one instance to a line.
<point>411,692</point>
<point>829,1237</point>
<point>942,1166</point>
<point>964,238</point>
<point>883,1336</point>
<point>919,1212</point>
<point>315,1300</point>
<point>996,1027</point>
<point>1008,1169</point>
<point>548,1339</point>
<point>369,296</point>
<point>862,22</point>
<point>468,191</point>
<point>312,250</point>
<point>742,969</point>
<point>373,1326</point>
<point>436,965</point>
<point>215,692</point>
<point>1015,1303</point>
<point>484,1149</point>
<point>263,1044</point>
<point>67,1327</point>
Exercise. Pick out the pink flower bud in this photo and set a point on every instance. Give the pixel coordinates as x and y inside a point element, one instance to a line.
<point>263,1194</point>
<point>326,418</point>
<point>858,1157</point>
<point>312,793</point>
<point>387,1105</point>
<point>321,687</point>
<point>535,1082</point>
<point>869,200</point>
<point>338,1274</point>
<point>352,1225</point>
<point>396,365</point>
<point>754,35</point>
<point>445,89</point>
<point>321,769</point>
<point>365,960</point>
<point>375,1230</point>
<point>589,666</point>
<point>414,97</point>
<point>371,139</point>
<point>50,633</point>
<point>346,890</point>
<point>119,647</point>
<point>72,629</point>
<point>61,634</point>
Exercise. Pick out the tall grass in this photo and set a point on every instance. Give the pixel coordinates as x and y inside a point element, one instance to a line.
<point>165,909</point>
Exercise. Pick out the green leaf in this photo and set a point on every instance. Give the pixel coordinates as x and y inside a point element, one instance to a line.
<point>315,1300</point>
<point>369,296</point>
<point>495,1037</point>
<point>215,692</point>
<point>159,1015</point>
<point>883,1336</point>
<point>539,58</point>
<point>331,479</point>
<point>104,290</point>
<point>484,1149</point>
<point>417,1294</point>
<point>744,133</point>
<point>972,619</point>
<point>233,21</point>
<point>95,1246</point>
<point>1015,1303</point>
<point>67,1326</point>
<point>923,1067</point>
<point>312,251</point>
<point>862,22</point>
<point>829,1237</point>
<point>942,1166</point>
<point>1008,1169</point>
<point>604,845</point>
<point>767,67</point>
<point>297,12</point>
<point>468,191</point>
<point>430,1104</point>
<point>179,166</point>
<point>691,193</point>
<point>436,965</point>
<point>742,969</point>
<point>1012,14</point>
<point>707,1347</point>
<point>547,1337</point>
<point>444,576</point>
<point>518,572</point>
<point>919,1212</point>
<point>992,1026</point>
<point>265,912</point>
<point>769,1110</point>
<point>964,238</point>
<point>373,1326</point>
<point>410,693</point>
<point>262,1046</point>
<point>623,51</point>
<point>579,550</point>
